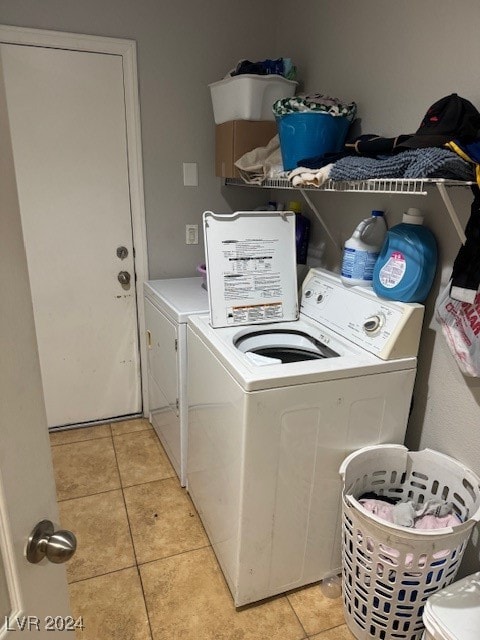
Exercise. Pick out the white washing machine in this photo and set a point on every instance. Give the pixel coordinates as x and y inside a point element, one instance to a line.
<point>168,304</point>
<point>274,409</point>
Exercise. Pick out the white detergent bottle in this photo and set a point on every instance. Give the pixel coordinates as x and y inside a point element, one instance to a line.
<point>362,250</point>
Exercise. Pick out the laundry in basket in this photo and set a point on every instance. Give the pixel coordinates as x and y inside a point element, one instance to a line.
<point>311,125</point>
<point>390,570</point>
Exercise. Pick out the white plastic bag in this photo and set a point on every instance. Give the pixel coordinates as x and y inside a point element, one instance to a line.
<point>460,322</point>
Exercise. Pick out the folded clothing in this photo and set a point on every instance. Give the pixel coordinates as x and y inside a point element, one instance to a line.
<point>302,176</point>
<point>261,163</point>
<point>371,144</point>
<point>279,67</point>
<point>315,103</point>
<point>430,162</point>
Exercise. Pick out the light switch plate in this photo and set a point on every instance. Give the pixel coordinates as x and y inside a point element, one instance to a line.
<point>191,233</point>
<point>190,174</point>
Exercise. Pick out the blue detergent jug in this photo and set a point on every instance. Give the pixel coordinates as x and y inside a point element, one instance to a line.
<point>406,266</point>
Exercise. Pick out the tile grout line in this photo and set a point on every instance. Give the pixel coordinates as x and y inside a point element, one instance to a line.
<point>129,433</point>
<point>100,575</point>
<point>306,636</point>
<point>139,484</point>
<point>88,495</point>
<point>125,505</point>
<point>61,444</point>
<point>158,444</point>
<point>145,603</point>
<point>110,435</point>
<point>316,633</point>
<point>133,543</point>
<point>174,555</point>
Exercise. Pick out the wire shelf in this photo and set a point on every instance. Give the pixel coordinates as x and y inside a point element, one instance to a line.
<point>391,185</point>
<point>375,185</point>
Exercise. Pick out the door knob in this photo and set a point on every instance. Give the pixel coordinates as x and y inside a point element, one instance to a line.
<point>124,277</point>
<point>57,546</point>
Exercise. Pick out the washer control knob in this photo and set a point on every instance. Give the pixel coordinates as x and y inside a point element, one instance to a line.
<point>308,293</point>
<point>373,324</point>
<point>319,298</point>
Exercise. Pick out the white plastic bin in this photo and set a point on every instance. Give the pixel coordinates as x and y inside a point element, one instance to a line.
<point>248,96</point>
<point>454,612</point>
<point>389,571</point>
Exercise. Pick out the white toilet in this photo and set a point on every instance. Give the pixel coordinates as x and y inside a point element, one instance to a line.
<point>454,612</point>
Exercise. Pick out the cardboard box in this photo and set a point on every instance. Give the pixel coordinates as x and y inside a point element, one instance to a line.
<point>234,138</point>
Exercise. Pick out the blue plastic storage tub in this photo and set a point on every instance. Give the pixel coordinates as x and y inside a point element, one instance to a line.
<point>305,135</point>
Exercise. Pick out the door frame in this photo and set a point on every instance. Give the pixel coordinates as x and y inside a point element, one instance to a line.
<point>127,49</point>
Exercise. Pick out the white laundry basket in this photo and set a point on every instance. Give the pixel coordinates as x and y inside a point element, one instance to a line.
<point>389,571</point>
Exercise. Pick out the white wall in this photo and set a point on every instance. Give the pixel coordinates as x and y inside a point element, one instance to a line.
<point>182,46</point>
<point>395,59</point>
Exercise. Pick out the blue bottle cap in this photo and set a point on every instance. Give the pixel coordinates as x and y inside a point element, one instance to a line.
<point>377,212</point>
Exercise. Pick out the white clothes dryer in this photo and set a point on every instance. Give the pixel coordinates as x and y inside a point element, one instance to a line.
<point>168,303</point>
<point>274,409</point>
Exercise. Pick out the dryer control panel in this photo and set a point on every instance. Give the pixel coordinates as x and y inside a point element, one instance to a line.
<point>385,328</point>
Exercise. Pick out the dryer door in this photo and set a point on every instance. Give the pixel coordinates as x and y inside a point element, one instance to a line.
<point>163,381</point>
<point>162,360</point>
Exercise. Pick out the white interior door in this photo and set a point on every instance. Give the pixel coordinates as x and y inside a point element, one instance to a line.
<point>27,492</point>
<point>67,120</point>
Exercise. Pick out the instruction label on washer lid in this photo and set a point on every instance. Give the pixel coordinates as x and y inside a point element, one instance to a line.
<point>251,267</point>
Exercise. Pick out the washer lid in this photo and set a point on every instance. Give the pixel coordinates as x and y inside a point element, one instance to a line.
<point>251,267</point>
<point>454,612</point>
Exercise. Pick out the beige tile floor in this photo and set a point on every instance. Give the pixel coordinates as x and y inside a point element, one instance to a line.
<point>144,568</point>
